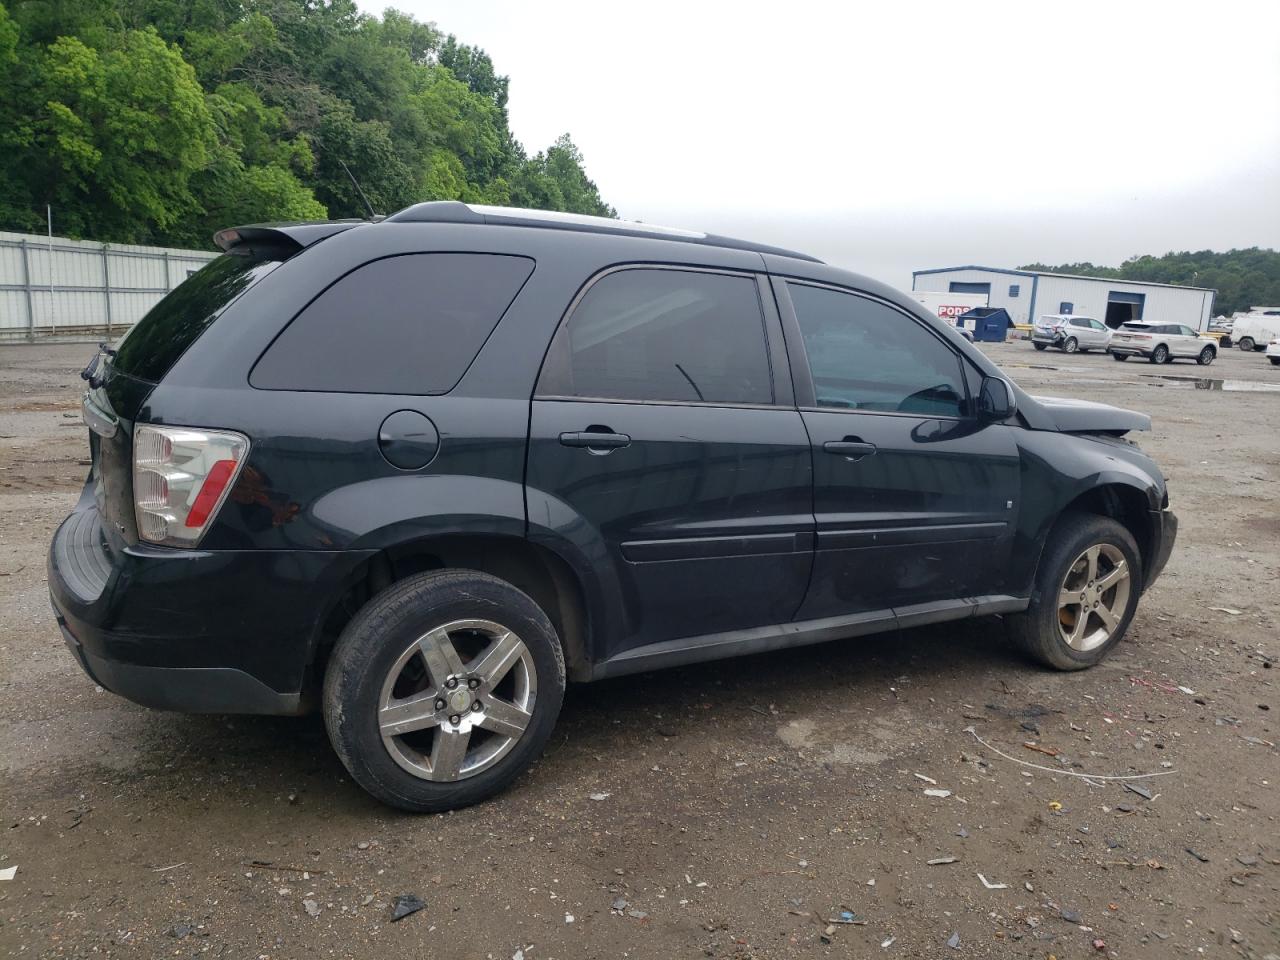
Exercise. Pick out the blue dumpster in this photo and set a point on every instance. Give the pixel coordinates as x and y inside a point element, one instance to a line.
<point>989,324</point>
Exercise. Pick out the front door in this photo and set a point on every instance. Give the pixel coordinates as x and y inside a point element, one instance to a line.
<point>657,429</point>
<point>914,497</point>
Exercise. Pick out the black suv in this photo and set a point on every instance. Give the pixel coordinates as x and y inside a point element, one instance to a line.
<point>422,470</point>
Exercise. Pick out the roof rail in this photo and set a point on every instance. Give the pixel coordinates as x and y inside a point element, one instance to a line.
<point>454,211</point>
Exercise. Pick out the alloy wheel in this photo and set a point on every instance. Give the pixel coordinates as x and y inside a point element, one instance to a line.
<point>1093,597</point>
<point>457,700</point>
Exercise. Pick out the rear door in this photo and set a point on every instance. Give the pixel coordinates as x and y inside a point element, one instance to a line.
<point>914,497</point>
<point>664,422</point>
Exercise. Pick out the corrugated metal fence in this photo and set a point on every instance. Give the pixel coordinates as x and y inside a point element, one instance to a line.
<point>78,288</point>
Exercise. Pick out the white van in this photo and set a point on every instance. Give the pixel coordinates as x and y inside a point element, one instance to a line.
<point>1255,329</point>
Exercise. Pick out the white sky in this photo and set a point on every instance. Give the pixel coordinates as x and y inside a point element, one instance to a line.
<point>887,137</point>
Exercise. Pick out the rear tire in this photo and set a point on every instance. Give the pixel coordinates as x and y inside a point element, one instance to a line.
<point>1245,344</point>
<point>1039,346</point>
<point>1160,354</point>
<point>1069,585</point>
<point>425,642</point>
<point>1070,345</point>
<point>1275,361</point>
<point>1206,357</point>
<point>1121,357</point>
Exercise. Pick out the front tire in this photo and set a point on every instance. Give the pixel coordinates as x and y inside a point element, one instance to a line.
<point>1086,591</point>
<point>1245,344</point>
<point>1206,357</point>
<point>396,683</point>
<point>1160,354</point>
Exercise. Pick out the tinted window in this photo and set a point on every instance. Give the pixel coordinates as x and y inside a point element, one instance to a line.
<point>155,342</point>
<point>663,335</point>
<point>867,356</point>
<point>1078,322</point>
<point>409,324</point>
<point>1186,331</point>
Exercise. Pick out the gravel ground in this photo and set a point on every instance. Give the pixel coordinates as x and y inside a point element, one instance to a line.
<point>724,810</point>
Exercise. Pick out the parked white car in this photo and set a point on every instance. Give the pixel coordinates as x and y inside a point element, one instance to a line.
<point>1162,343</point>
<point>1069,333</point>
<point>1273,352</point>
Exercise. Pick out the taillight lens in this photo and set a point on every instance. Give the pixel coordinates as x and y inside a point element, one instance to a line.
<point>181,475</point>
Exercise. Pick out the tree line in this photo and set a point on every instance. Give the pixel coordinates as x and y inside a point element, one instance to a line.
<point>1243,278</point>
<point>162,121</point>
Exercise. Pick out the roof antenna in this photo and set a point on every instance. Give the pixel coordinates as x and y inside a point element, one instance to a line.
<point>368,205</point>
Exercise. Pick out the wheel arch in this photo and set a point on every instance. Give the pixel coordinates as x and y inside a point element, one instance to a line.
<point>548,579</point>
<point>1123,501</point>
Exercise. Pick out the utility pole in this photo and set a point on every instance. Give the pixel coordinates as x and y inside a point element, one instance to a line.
<point>53,317</point>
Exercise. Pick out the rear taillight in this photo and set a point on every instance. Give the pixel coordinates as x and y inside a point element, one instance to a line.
<point>181,475</point>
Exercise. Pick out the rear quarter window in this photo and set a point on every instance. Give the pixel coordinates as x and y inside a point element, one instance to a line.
<point>409,324</point>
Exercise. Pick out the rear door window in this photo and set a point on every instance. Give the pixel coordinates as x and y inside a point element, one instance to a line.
<point>409,324</point>
<point>155,342</point>
<point>663,335</point>
<point>865,355</point>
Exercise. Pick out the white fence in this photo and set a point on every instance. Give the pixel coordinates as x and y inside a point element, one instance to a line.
<point>79,289</point>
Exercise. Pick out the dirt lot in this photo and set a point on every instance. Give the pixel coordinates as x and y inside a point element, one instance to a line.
<point>726,810</point>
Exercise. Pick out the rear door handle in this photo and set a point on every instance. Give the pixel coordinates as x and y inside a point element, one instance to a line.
<point>850,448</point>
<point>595,440</point>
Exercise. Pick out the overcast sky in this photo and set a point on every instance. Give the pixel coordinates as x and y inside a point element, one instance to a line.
<point>899,136</point>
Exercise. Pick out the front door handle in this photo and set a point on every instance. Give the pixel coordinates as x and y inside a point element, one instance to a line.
<point>595,440</point>
<point>851,448</point>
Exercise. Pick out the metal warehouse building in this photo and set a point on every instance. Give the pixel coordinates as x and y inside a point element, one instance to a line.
<point>1027,295</point>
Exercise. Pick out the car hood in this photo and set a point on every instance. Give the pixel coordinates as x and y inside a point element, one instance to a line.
<point>1085,416</point>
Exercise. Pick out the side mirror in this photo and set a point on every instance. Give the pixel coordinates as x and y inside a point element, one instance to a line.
<point>996,400</point>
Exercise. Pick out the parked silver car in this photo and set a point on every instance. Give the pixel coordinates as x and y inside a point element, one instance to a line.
<point>1069,333</point>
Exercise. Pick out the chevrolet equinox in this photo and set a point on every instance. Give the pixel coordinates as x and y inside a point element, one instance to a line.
<point>421,472</point>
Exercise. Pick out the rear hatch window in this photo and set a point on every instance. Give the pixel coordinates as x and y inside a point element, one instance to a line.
<point>1136,327</point>
<point>154,344</point>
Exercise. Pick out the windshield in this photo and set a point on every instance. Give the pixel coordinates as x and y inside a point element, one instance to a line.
<point>154,343</point>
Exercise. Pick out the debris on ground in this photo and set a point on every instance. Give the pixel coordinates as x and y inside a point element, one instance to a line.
<point>312,907</point>
<point>931,792</point>
<point>180,931</point>
<point>953,941</point>
<point>600,796</point>
<point>992,886</point>
<point>404,905</point>
<point>939,861</point>
<point>1195,853</point>
<point>1140,790</point>
<point>8,873</point>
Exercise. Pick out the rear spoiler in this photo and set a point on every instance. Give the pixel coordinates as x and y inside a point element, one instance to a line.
<point>278,239</point>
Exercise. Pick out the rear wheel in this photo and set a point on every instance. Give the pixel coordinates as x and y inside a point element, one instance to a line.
<point>1160,354</point>
<point>1039,346</point>
<point>1122,357</point>
<point>1086,592</point>
<point>1070,345</point>
<point>443,689</point>
<point>1206,357</point>
<point>1245,343</point>
<point>1275,361</point>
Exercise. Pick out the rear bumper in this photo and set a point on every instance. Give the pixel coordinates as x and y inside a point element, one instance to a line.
<point>1041,336</point>
<point>1127,351</point>
<point>1164,531</point>
<point>189,630</point>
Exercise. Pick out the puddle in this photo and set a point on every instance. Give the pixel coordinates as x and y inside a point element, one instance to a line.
<point>1210,383</point>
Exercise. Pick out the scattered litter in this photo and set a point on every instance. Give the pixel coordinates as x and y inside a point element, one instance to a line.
<point>886,944</point>
<point>601,796</point>
<point>174,866</point>
<point>1231,610</point>
<point>846,915</point>
<point>8,873</point>
<point>1065,773</point>
<point>1187,690</point>
<point>1099,944</point>
<point>1055,805</point>
<point>931,792</point>
<point>992,886</point>
<point>1069,915</point>
<point>953,941</point>
<point>1140,790</point>
<point>962,833</point>
<point>1249,861</point>
<point>940,861</point>
<point>180,931</point>
<point>1256,741</point>
<point>921,776</point>
<point>1195,853</point>
<point>404,905</point>
<point>619,905</point>
<point>637,914</point>
<point>1047,751</point>
<point>569,918</point>
<point>312,908</point>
